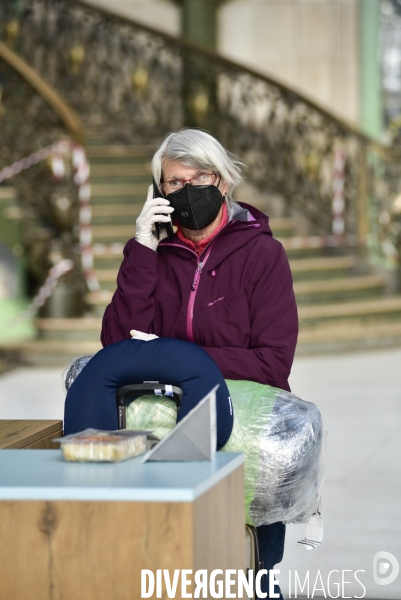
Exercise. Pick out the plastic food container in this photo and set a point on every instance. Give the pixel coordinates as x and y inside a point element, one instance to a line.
<point>95,445</point>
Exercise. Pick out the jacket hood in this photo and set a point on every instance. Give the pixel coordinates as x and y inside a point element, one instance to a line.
<point>245,212</point>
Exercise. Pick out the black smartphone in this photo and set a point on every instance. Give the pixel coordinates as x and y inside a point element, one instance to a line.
<point>158,225</point>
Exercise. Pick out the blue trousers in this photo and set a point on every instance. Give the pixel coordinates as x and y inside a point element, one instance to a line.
<point>91,399</point>
<point>271,548</point>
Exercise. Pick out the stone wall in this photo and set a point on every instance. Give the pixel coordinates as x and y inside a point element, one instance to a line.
<point>160,14</point>
<point>311,44</point>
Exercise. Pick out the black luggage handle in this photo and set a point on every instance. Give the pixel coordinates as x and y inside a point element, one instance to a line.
<point>137,390</point>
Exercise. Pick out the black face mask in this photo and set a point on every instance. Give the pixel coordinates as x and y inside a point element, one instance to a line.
<point>195,207</point>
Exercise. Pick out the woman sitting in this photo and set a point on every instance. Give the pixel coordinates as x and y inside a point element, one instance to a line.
<point>222,281</point>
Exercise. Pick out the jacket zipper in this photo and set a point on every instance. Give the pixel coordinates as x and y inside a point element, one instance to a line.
<point>192,296</point>
<point>194,286</point>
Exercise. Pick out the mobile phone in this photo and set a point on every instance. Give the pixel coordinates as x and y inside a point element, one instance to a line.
<point>158,225</point>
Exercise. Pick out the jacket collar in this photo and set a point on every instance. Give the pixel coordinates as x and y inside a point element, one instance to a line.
<point>245,222</point>
<point>236,211</point>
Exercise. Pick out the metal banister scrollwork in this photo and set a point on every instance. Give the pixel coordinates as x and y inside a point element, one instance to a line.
<point>137,84</point>
<point>69,118</point>
<point>48,208</point>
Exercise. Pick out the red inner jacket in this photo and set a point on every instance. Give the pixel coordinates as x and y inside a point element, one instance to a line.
<point>236,300</point>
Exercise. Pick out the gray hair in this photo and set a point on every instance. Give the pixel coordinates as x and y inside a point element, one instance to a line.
<point>196,148</point>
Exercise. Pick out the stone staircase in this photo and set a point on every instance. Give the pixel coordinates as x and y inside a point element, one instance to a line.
<point>342,304</point>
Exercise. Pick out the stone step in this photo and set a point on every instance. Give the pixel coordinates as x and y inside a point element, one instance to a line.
<point>110,211</point>
<point>136,197</point>
<point>126,150</point>
<point>51,353</point>
<point>116,171</point>
<point>283,227</point>
<point>118,190</point>
<point>346,336</point>
<point>388,306</point>
<point>108,256</point>
<point>107,233</point>
<point>118,214</point>
<point>86,329</point>
<point>315,246</point>
<point>106,275</point>
<point>322,267</point>
<point>311,292</point>
<point>301,253</point>
<point>86,323</point>
<point>115,135</point>
<point>8,195</point>
<point>99,300</point>
<point>111,152</point>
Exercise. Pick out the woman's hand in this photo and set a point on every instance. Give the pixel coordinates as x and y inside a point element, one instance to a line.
<point>139,335</point>
<point>154,210</point>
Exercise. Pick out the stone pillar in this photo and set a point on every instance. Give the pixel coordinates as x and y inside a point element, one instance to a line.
<point>370,88</point>
<point>198,19</point>
<point>199,25</point>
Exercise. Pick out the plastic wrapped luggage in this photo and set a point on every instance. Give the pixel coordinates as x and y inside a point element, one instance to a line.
<point>281,436</point>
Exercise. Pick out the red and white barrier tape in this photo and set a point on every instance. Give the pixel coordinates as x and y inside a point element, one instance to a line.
<point>25,163</point>
<point>81,179</point>
<point>338,203</point>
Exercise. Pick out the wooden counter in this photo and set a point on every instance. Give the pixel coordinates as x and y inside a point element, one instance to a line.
<point>34,434</point>
<point>84,531</point>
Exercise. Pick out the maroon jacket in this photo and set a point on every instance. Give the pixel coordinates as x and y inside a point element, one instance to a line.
<point>236,301</point>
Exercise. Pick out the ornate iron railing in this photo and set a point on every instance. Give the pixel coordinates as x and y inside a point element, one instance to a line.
<point>32,116</point>
<point>137,84</point>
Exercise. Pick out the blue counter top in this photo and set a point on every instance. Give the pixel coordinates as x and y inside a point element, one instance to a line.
<point>45,475</point>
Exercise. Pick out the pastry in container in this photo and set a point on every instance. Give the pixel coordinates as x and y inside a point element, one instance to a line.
<point>95,445</point>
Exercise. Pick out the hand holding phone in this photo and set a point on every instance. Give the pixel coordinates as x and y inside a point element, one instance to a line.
<point>159,225</point>
<point>155,210</point>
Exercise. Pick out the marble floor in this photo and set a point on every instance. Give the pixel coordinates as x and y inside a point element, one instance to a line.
<point>359,396</point>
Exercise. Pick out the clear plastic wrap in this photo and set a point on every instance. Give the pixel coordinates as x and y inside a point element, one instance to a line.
<point>281,437</point>
<point>291,463</point>
<point>95,445</point>
<point>155,413</point>
<point>72,370</point>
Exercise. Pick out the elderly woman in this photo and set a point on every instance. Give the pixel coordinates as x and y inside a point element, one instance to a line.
<point>222,281</point>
